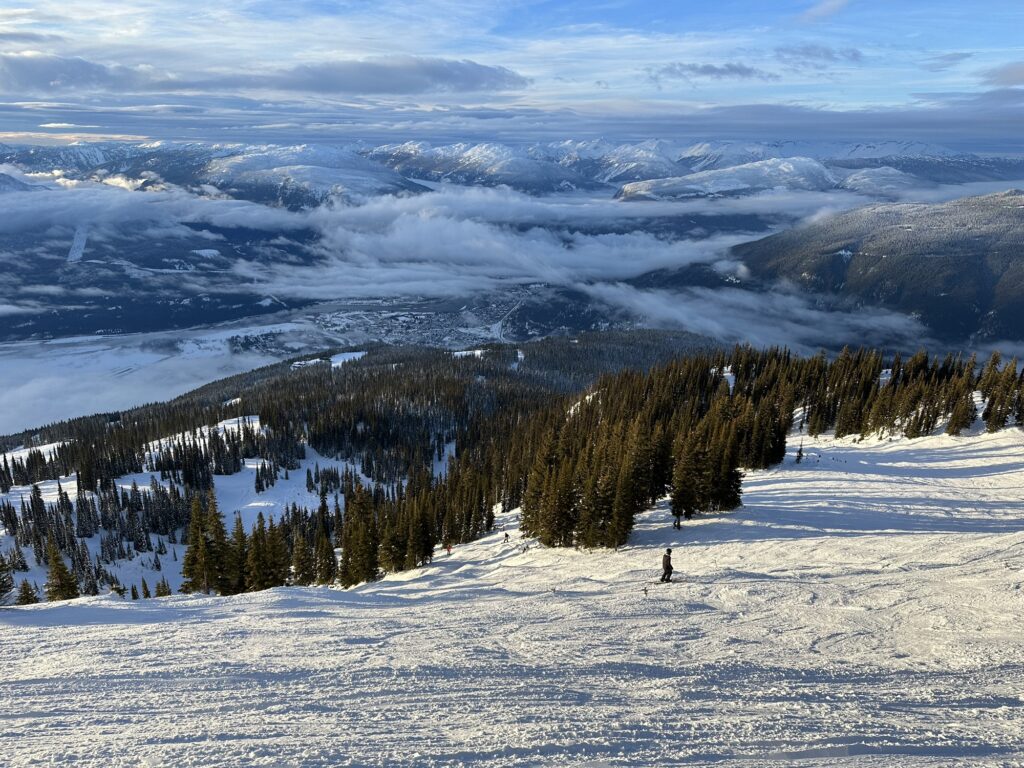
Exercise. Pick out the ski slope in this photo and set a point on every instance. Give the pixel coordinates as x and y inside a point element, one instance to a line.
<point>862,609</point>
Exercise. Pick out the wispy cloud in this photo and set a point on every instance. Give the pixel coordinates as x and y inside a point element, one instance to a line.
<point>817,56</point>
<point>1011,74</point>
<point>944,61</point>
<point>387,75</point>
<point>824,9</point>
<point>729,71</point>
<point>34,72</point>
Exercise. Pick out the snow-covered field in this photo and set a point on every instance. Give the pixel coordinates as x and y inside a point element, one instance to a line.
<point>863,608</point>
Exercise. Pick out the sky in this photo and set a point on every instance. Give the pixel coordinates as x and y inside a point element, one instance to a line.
<point>945,71</point>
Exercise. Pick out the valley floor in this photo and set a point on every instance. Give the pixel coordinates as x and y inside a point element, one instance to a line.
<point>863,608</point>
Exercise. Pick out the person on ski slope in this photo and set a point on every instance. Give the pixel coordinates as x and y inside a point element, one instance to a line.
<point>666,566</point>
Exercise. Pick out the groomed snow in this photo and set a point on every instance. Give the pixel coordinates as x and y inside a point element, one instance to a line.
<point>863,608</point>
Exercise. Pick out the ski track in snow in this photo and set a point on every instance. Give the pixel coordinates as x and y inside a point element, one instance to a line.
<point>863,609</point>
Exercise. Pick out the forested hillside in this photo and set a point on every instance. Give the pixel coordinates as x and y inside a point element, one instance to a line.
<point>425,446</point>
<point>959,266</point>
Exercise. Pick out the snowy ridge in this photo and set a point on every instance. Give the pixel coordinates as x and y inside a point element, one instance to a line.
<point>311,174</point>
<point>793,173</point>
<point>859,610</point>
<point>487,164</point>
<point>322,172</point>
<point>10,184</point>
<point>884,182</point>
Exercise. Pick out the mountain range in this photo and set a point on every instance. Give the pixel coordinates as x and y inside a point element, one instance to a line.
<point>307,174</point>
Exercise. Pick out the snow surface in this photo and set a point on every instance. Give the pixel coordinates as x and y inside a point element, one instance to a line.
<point>341,358</point>
<point>77,249</point>
<point>861,609</point>
<point>321,170</point>
<point>881,182</point>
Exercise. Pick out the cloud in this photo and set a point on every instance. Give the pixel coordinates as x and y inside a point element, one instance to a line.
<point>817,56</point>
<point>397,75</point>
<point>824,9</point>
<point>1011,74</point>
<point>728,71</point>
<point>34,72</point>
<point>105,206</point>
<point>944,61</point>
<point>28,37</point>
<point>763,319</point>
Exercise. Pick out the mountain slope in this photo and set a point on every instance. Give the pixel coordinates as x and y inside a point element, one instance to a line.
<point>959,265</point>
<point>793,173</point>
<point>10,184</point>
<point>486,164</point>
<point>872,580</point>
<point>303,175</point>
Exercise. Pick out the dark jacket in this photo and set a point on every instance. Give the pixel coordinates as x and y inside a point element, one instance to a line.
<point>666,562</point>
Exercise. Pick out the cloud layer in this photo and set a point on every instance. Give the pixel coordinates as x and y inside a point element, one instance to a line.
<point>32,72</point>
<point>471,241</point>
<point>442,70</point>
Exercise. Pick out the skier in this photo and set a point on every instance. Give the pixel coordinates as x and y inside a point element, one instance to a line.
<point>506,537</point>
<point>666,566</point>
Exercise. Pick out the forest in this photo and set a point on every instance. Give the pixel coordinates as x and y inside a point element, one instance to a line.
<point>582,434</point>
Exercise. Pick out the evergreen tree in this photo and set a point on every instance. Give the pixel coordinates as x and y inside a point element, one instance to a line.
<point>278,557</point>
<point>196,567</point>
<point>684,495</point>
<point>303,572</point>
<point>237,559</point>
<point>257,569</point>
<point>218,555</point>
<point>26,594</point>
<point>6,579</point>
<point>61,584</point>
<point>325,564</point>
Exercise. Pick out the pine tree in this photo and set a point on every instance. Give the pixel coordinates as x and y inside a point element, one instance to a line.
<point>6,579</point>
<point>145,589</point>
<point>26,594</point>
<point>278,557</point>
<point>302,563</point>
<point>325,563</point>
<point>163,589</point>
<point>218,557</point>
<point>61,584</point>
<point>257,567</point>
<point>962,415</point>
<point>237,558</point>
<point>195,568</point>
<point>689,490</point>
<point>135,592</point>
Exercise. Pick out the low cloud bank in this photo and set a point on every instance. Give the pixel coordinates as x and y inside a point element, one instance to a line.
<point>466,241</point>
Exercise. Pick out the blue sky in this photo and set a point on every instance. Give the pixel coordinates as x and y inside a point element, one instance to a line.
<point>950,72</point>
